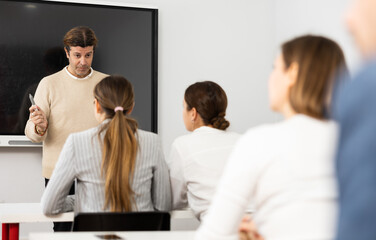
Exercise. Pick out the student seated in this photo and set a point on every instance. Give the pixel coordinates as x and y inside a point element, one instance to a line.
<point>197,160</point>
<point>286,168</point>
<point>118,167</point>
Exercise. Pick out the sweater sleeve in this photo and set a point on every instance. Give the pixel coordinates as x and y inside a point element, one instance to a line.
<point>234,191</point>
<point>178,183</point>
<point>356,165</point>
<point>42,101</point>
<point>55,197</point>
<point>161,188</point>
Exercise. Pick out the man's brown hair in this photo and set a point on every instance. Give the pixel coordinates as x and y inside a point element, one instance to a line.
<point>80,36</point>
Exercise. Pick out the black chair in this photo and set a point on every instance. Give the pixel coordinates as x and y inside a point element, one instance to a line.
<point>122,221</point>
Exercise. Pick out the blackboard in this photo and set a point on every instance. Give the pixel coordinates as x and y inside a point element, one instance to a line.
<point>31,47</point>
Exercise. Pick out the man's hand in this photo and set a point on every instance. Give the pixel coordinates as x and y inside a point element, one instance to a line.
<point>38,117</point>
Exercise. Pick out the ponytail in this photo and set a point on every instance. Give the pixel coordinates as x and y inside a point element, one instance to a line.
<point>120,146</point>
<point>119,157</point>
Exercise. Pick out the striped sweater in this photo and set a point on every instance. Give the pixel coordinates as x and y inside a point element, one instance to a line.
<point>81,159</point>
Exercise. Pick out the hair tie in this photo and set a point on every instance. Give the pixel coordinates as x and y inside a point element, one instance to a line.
<point>118,108</point>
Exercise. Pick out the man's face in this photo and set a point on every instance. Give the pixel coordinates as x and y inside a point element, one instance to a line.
<point>80,60</point>
<point>361,21</point>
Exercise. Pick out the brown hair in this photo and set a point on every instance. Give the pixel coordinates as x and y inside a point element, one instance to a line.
<point>119,144</point>
<point>80,36</point>
<point>210,101</point>
<point>319,61</point>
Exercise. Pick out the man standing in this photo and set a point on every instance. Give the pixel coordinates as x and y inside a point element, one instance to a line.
<point>64,100</point>
<point>356,113</point>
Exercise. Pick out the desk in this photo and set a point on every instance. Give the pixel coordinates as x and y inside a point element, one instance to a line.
<point>160,235</point>
<point>12,214</point>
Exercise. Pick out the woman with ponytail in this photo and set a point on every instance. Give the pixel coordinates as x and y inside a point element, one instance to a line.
<point>118,167</point>
<point>197,160</point>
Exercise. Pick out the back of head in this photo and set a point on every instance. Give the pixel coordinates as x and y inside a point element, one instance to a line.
<point>80,36</point>
<point>319,61</point>
<point>116,98</point>
<point>210,101</point>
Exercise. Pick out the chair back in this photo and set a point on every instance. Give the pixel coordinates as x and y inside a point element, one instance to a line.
<point>122,221</point>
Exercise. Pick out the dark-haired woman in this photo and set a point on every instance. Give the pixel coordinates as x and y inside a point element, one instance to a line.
<point>197,160</point>
<point>286,168</point>
<point>118,167</point>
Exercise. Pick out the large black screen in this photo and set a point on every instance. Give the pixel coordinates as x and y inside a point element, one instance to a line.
<point>31,47</point>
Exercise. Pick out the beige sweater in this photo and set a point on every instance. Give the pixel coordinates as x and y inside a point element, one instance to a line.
<point>68,104</point>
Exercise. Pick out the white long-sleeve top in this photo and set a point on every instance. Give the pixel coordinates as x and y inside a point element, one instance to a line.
<point>81,159</point>
<point>196,163</point>
<point>287,169</point>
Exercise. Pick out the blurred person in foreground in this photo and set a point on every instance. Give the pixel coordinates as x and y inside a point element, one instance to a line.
<point>355,112</point>
<point>287,168</point>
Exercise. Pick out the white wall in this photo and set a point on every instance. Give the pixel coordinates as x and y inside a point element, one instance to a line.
<point>296,17</point>
<point>222,41</point>
<point>230,42</point>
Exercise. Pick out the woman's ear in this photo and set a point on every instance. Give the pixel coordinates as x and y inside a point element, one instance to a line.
<point>98,108</point>
<point>193,114</point>
<point>292,73</point>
